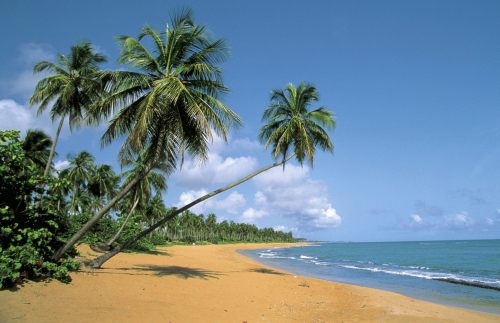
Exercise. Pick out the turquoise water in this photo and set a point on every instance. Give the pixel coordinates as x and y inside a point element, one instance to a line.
<point>458,273</point>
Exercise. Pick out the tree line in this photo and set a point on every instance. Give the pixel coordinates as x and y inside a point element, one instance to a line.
<point>164,104</point>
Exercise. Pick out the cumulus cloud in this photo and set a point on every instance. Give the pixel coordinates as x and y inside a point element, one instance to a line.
<point>250,215</point>
<point>17,116</point>
<point>416,220</point>
<point>459,221</point>
<point>216,170</point>
<point>294,194</point>
<point>284,228</point>
<point>231,204</point>
<point>61,164</point>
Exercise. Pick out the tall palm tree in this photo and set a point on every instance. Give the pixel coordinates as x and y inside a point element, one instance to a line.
<point>168,105</point>
<point>36,145</point>
<point>71,87</point>
<point>292,129</point>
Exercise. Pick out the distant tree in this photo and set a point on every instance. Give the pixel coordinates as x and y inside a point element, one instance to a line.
<point>79,173</point>
<point>103,182</point>
<point>140,195</point>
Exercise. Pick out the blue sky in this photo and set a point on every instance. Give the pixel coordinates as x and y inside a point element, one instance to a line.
<point>415,87</point>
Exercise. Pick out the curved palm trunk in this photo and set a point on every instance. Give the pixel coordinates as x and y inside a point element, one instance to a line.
<point>90,223</point>
<point>99,261</point>
<point>53,147</point>
<point>113,239</point>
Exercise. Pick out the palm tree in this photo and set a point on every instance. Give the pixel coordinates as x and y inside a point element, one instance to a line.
<point>80,171</point>
<point>291,129</point>
<point>168,105</point>
<point>71,87</point>
<point>36,145</point>
<point>140,194</point>
<point>103,182</point>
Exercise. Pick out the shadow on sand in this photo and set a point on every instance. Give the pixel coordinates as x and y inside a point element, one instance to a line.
<point>266,271</point>
<point>179,271</point>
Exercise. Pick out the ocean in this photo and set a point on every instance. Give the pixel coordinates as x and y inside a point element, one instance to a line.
<point>458,273</point>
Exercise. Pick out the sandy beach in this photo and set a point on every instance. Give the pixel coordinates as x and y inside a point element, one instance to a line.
<point>212,283</point>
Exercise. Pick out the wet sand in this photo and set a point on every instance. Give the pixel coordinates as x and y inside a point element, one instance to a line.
<point>212,283</point>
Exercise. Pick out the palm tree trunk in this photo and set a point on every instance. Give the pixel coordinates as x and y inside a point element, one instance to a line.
<point>110,242</point>
<point>53,148</point>
<point>99,261</point>
<point>90,223</point>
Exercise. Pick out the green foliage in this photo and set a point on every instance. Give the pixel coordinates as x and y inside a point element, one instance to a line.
<point>193,228</point>
<point>31,228</point>
<point>292,127</point>
<point>103,230</point>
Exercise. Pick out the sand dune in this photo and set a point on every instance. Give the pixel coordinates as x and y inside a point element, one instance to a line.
<point>211,284</point>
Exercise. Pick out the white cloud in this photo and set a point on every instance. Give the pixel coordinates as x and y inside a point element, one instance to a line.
<point>61,164</point>
<point>251,215</point>
<point>232,204</point>
<point>17,116</point>
<point>294,194</point>
<point>459,221</point>
<point>416,220</point>
<point>216,170</point>
<point>284,228</point>
<point>490,221</point>
<point>327,218</point>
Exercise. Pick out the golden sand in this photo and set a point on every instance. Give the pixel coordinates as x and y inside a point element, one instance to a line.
<point>211,283</point>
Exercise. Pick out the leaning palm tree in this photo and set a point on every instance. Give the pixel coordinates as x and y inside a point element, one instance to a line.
<point>70,88</point>
<point>36,145</point>
<point>169,104</point>
<point>292,130</point>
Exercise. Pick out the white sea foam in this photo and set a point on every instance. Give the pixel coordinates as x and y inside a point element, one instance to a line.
<point>480,282</point>
<point>307,257</point>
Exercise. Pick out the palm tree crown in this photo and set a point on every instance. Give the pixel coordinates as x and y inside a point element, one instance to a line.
<point>72,83</point>
<point>36,146</point>
<point>292,127</point>
<point>71,88</point>
<point>170,102</point>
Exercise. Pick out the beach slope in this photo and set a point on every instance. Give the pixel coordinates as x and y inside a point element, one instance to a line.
<point>211,283</point>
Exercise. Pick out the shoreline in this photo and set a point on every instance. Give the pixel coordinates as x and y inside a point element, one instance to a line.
<point>213,283</point>
<point>359,284</point>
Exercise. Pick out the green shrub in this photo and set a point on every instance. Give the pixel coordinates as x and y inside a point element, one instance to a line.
<point>31,228</point>
<point>101,232</point>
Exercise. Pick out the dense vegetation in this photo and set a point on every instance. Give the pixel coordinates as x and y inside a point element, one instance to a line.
<point>31,227</point>
<point>164,103</point>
